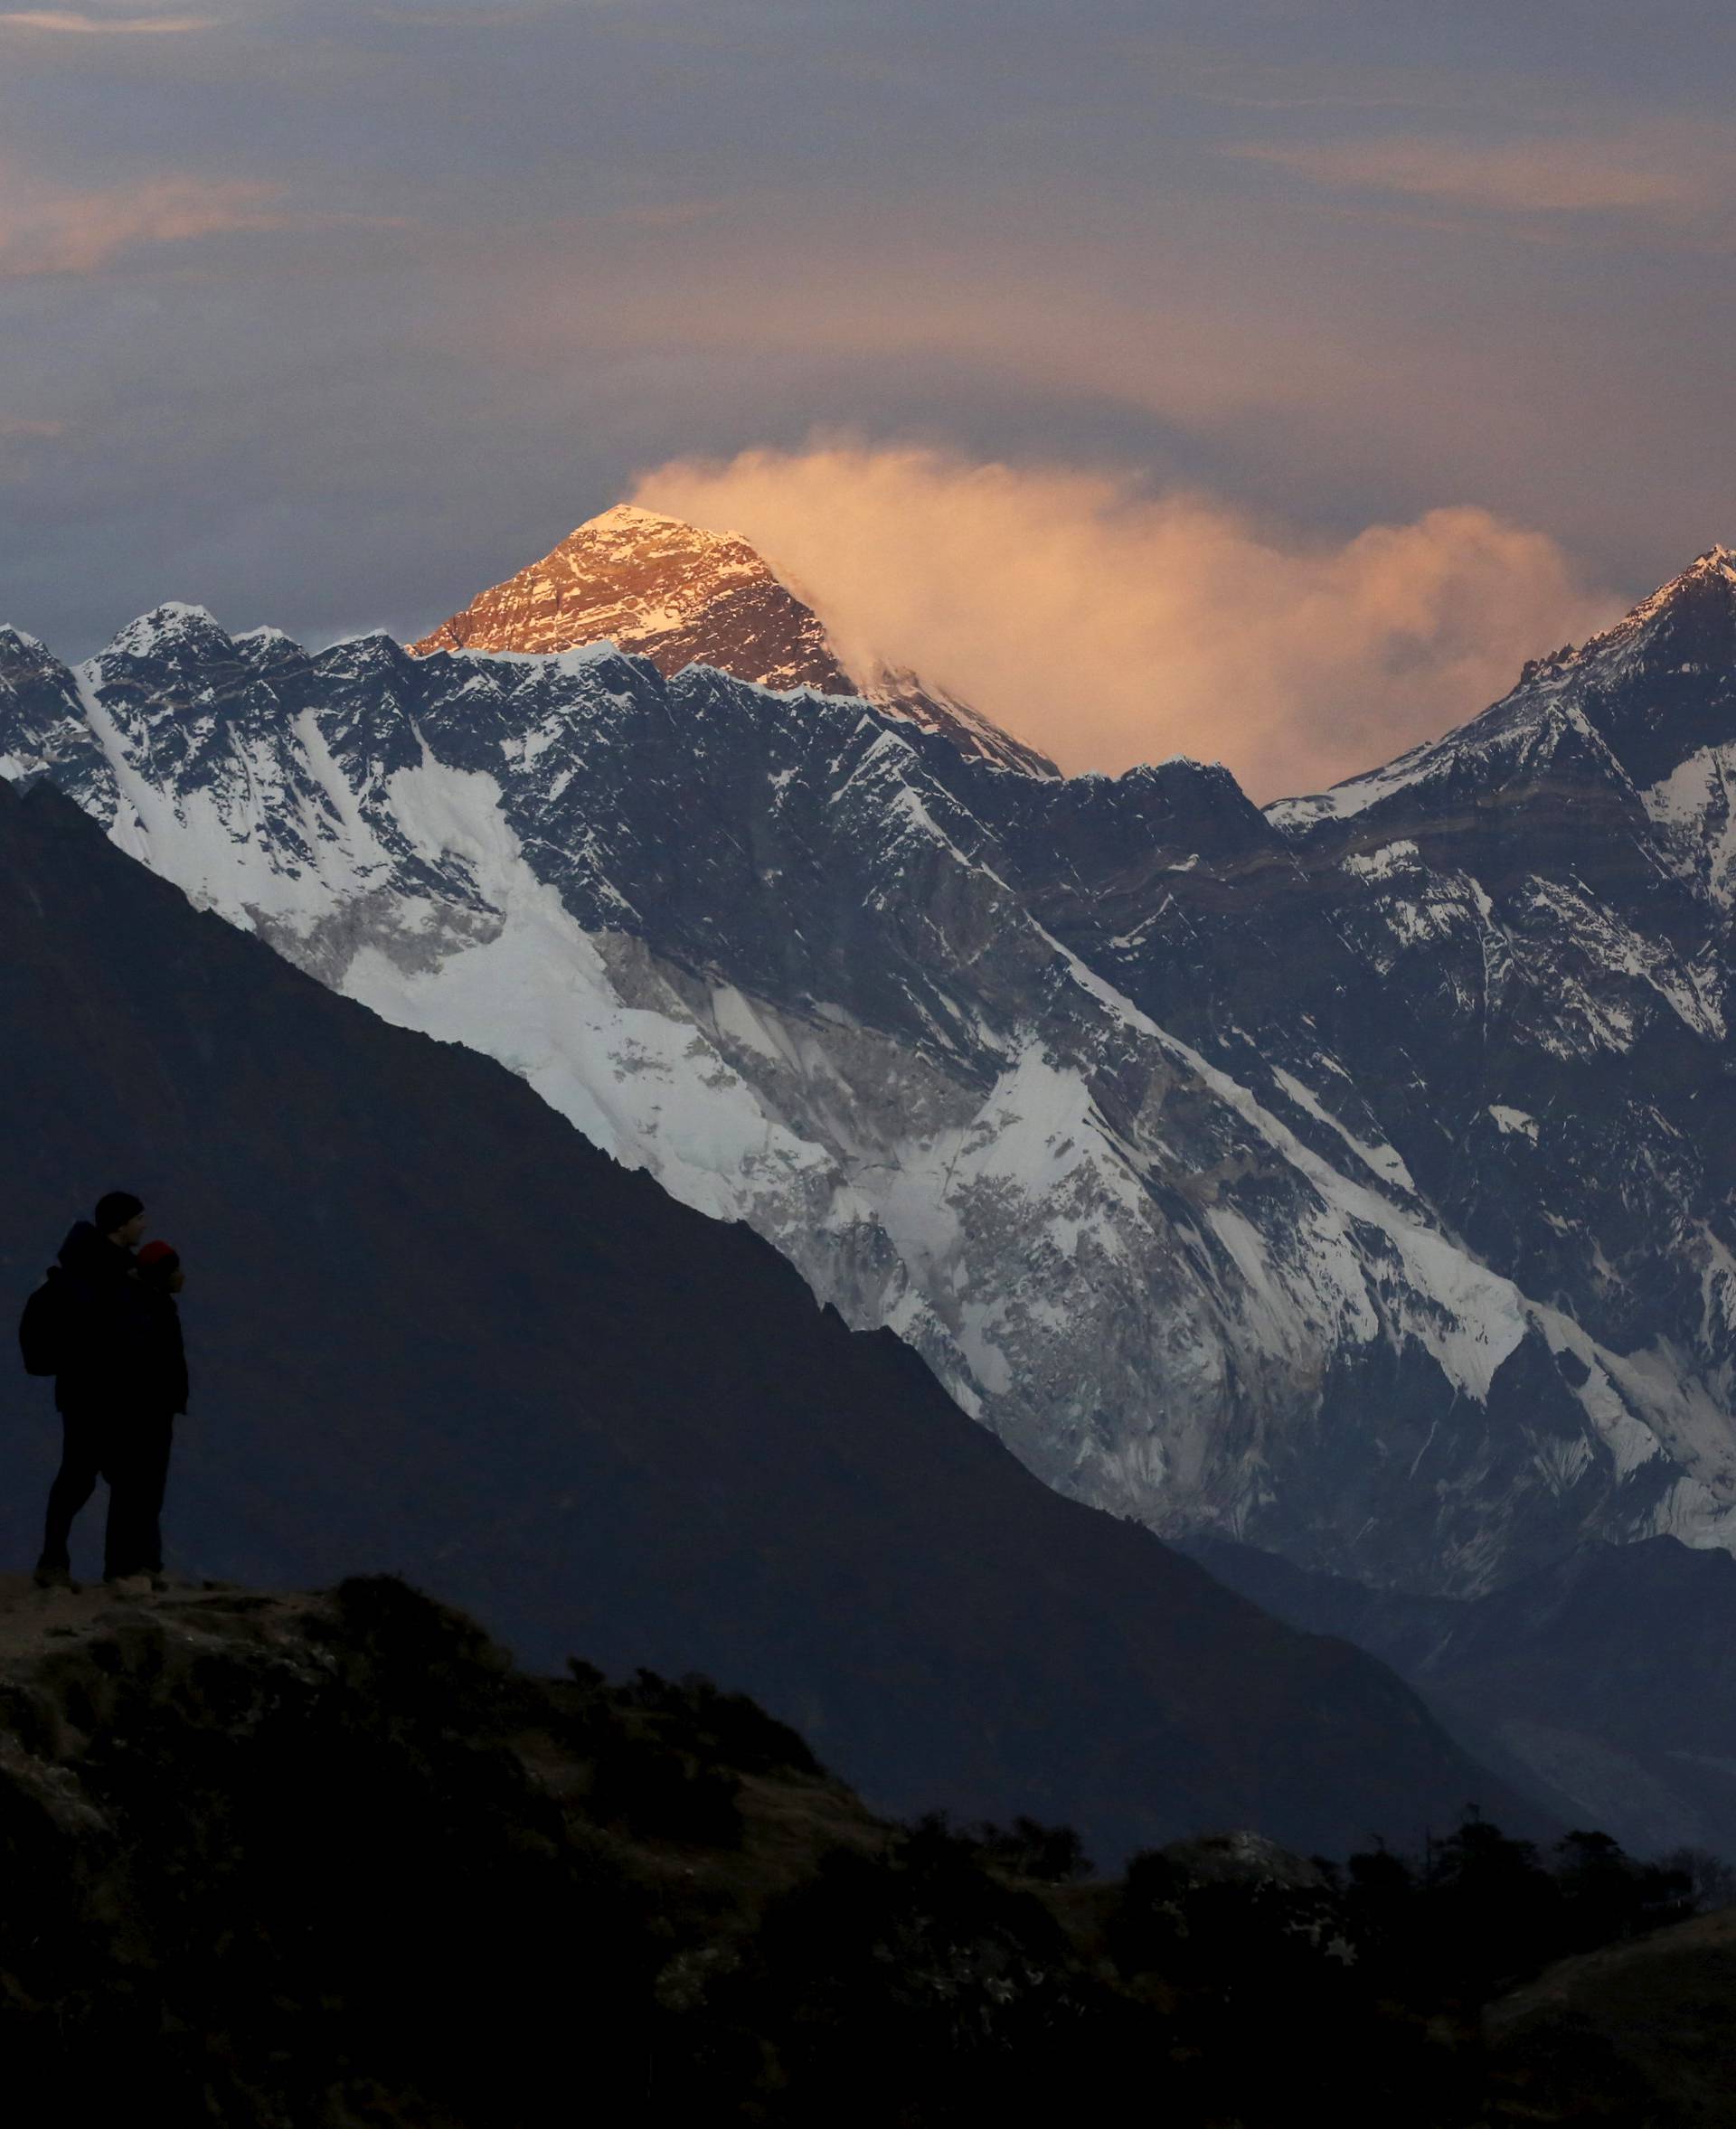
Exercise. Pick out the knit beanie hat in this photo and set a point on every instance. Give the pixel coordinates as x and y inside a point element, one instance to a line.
<point>159,1261</point>
<point>116,1210</point>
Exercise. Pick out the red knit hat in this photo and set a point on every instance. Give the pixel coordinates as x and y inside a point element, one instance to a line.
<point>155,1253</point>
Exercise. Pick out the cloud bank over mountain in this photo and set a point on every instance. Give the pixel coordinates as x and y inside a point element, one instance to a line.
<point>325,315</point>
<point>1108,626</point>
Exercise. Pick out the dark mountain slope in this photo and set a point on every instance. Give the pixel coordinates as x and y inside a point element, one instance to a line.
<point>434,1331</point>
<point>1603,1676</point>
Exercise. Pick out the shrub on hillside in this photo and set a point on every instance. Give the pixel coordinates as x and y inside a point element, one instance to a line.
<point>1054,1855</point>
<point>279,1889</point>
<point>912,1987</point>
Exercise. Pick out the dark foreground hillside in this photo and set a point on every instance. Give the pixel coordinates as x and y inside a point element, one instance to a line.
<point>434,1330</point>
<point>314,1862</point>
<point>1660,2012</point>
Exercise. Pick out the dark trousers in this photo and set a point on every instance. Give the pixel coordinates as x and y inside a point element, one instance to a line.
<point>133,1455</point>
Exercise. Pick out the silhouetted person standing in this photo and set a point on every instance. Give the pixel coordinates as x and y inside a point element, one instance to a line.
<point>96,1314</point>
<point>138,1460</point>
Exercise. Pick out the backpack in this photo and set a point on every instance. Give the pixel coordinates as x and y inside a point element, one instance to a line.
<point>41,1328</point>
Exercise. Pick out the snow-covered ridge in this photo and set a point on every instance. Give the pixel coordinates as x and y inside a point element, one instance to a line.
<point>1557,695</point>
<point>1340,1185</point>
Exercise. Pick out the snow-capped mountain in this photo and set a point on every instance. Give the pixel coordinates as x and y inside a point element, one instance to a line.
<point>1355,1178</point>
<point>680,596</point>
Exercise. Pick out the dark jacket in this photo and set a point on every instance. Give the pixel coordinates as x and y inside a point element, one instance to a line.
<point>161,1383</point>
<point>99,1320</point>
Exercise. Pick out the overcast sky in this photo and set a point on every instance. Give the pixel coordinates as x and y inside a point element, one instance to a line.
<point>329,312</point>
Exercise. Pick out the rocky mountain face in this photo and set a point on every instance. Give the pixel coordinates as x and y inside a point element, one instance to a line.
<point>1353,1178</point>
<point>667,591</point>
<point>433,1331</point>
<point>680,597</point>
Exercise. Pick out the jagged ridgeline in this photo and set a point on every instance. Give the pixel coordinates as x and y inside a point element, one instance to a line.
<point>435,1331</point>
<point>1354,1176</point>
<point>680,596</point>
<point>300,1863</point>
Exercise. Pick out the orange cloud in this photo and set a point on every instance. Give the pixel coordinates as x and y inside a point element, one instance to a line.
<point>1110,628</point>
<point>1537,177</point>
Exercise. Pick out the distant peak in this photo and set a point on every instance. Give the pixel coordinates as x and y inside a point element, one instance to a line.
<point>658,587</point>
<point>631,521</point>
<point>1711,574</point>
<point>174,621</point>
<point>1717,560</point>
<point>661,589</point>
<point>1706,587</point>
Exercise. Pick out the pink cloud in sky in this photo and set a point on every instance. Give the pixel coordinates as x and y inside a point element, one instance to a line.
<point>65,22</point>
<point>83,233</point>
<point>1536,177</point>
<point>1110,628</point>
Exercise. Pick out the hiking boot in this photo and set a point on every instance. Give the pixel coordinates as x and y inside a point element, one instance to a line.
<point>139,1584</point>
<point>48,1576</point>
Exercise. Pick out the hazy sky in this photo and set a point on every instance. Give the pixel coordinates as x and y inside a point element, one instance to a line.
<point>1270,325</point>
